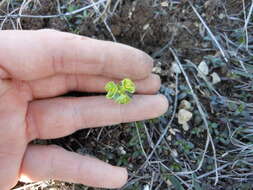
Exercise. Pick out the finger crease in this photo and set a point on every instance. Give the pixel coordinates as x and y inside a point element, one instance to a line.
<point>103,60</point>
<point>54,64</point>
<point>76,83</point>
<point>76,118</point>
<point>58,64</point>
<point>79,171</point>
<point>4,73</point>
<point>51,169</point>
<point>33,131</point>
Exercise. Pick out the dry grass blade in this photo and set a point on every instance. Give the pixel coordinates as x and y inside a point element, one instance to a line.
<point>209,32</point>
<point>247,19</point>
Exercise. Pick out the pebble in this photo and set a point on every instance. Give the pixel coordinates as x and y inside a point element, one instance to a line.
<point>184,116</point>
<point>174,153</point>
<point>184,104</point>
<point>175,68</point>
<point>157,70</point>
<point>186,126</point>
<point>122,151</point>
<point>215,78</point>
<point>146,187</point>
<point>203,69</point>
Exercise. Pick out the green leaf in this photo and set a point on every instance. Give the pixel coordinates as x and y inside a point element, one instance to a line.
<point>128,85</point>
<point>196,185</point>
<point>109,86</point>
<point>123,99</point>
<point>175,183</point>
<point>122,92</point>
<point>71,8</point>
<point>112,90</point>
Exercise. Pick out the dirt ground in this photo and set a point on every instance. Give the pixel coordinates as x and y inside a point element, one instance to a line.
<point>161,28</point>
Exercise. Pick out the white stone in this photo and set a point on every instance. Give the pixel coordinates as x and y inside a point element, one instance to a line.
<point>169,138</point>
<point>146,187</point>
<point>175,68</point>
<point>184,104</point>
<point>165,4</point>
<point>122,151</point>
<point>172,131</point>
<point>221,16</point>
<point>145,27</point>
<point>184,116</point>
<point>168,182</point>
<point>203,68</point>
<point>186,126</point>
<point>215,78</point>
<point>174,153</point>
<point>157,70</point>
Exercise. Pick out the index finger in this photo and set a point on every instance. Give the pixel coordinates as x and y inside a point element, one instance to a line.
<point>30,55</point>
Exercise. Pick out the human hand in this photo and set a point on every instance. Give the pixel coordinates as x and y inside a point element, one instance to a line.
<point>38,66</point>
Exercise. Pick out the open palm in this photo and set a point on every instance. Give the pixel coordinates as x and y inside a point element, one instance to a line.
<point>38,66</point>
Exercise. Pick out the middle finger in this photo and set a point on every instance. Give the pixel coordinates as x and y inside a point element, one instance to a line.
<point>61,84</point>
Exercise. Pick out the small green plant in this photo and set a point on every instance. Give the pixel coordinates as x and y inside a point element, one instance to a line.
<point>121,93</point>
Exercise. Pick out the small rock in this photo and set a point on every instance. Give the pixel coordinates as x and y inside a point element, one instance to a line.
<point>203,69</point>
<point>164,4</point>
<point>145,27</point>
<point>174,153</point>
<point>172,131</point>
<point>158,64</point>
<point>196,24</point>
<point>186,126</point>
<point>146,187</point>
<point>169,138</point>
<point>121,150</point>
<point>221,16</point>
<point>175,68</point>
<point>184,116</point>
<point>168,182</point>
<point>157,70</point>
<point>165,72</point>
<point>184,104</point>
<point>215,78</point>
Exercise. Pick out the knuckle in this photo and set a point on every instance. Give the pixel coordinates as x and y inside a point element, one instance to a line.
<point>58,63</point>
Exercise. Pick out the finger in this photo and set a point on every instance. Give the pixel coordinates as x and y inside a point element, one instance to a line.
<point>62,116</point>
<point>60,84</point>
<point>47,52</point>
<point>60,164</point>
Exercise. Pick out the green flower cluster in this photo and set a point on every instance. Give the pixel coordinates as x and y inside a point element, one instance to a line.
<point>121,92</point>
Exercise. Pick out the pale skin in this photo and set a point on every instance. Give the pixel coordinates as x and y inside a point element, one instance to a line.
<point>36,67</point>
